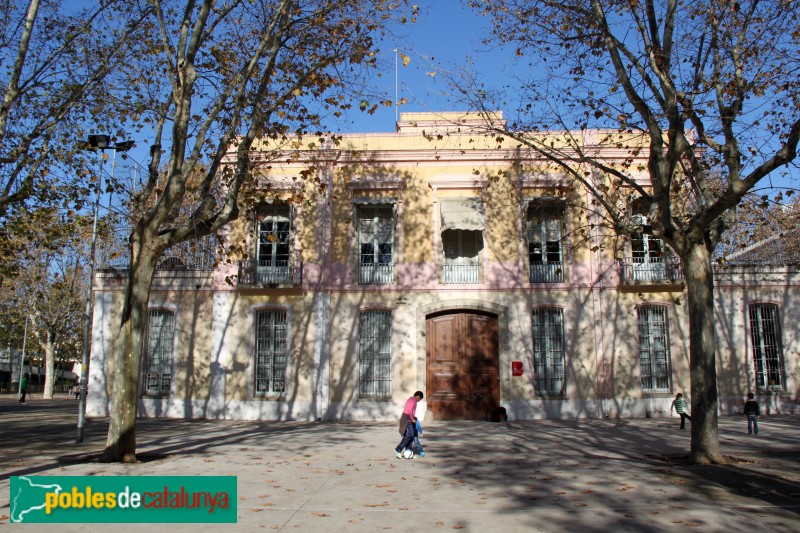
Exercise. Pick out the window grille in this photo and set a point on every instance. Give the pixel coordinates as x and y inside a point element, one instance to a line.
<point>158,359</point>
<point>375,240</point>
<point>654,358</point>
<point>767,351</point>
<point>271,354</point>
<point>375,354</point>
<point>548,352</point>
<point>545,243</point>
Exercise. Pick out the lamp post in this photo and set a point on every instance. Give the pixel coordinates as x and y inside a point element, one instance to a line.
<point>22,356</point>
<point>99,143</point>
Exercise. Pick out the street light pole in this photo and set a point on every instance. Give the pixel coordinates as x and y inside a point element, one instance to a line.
<point>22,357</point>
<point>100,143</point>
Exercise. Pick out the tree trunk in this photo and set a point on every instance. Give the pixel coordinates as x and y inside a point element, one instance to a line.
<point>702,355</point>
<point>49,366</point>
<point>121,440</point>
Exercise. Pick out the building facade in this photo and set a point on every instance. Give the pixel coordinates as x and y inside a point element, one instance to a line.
<point>435,258</point>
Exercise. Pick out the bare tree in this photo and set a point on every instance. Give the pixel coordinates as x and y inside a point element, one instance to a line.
<point>767,229</point>
<point>710,86</point>
<point>238,72</point>
<point>61,65</point>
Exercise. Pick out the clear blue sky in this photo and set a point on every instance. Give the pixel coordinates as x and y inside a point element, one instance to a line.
<point>446,34</point>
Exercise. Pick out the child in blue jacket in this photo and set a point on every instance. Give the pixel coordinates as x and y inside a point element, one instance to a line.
<point>417,433</point>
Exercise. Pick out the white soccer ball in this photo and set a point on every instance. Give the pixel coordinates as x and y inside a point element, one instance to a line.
<point>408,454</point>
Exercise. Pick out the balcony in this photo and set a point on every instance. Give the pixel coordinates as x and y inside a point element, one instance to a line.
<point>375,274</point>
<point>651,270</point>
<point>542,272</point>
<point>461,273</point>
<point>270,273</point>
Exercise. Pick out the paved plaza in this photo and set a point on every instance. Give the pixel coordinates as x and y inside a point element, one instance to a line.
<point>550,475</point>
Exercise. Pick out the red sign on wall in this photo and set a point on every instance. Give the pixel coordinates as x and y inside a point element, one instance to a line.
<point>516,368</point>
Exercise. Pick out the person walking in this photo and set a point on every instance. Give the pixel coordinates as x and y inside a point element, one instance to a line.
<point>23,388</point>
<point>408,423</point>
<point>679,406</point>
<point>752,412</point>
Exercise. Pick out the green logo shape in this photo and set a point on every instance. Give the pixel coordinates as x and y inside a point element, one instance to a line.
<point>123,499</point>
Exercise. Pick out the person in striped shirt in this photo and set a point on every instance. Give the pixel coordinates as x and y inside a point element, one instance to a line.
<point>679,406</point>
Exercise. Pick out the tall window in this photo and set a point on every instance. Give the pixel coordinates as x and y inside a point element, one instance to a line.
<point>545,242</point>
<point>765,336</point>
<point>375,354</point>
<point>654,348</point>
<point>158,357</point>
<point>375,241</point>
<point>274,232</point>
<point>648,254</point>
<point>461,255</point>
<point>548,352</point>
<point>270,369</point>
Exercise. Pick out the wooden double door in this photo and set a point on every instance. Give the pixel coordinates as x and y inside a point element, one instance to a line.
<point>463,379</point>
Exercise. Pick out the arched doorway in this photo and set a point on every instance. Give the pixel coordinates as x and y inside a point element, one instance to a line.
<point>462,360</point>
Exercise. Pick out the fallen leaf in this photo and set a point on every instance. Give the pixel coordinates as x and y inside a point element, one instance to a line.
<point>384,504</point>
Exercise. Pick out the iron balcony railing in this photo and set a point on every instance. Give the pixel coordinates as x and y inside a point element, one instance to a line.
<point>191,256</point>
<point>461,273</point>
<point>375,274</point>
<point>546,272</point>
<point>265,273</point>
<point>651,269</point>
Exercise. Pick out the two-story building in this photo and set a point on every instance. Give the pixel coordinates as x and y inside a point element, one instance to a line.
<point>436,258</point>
